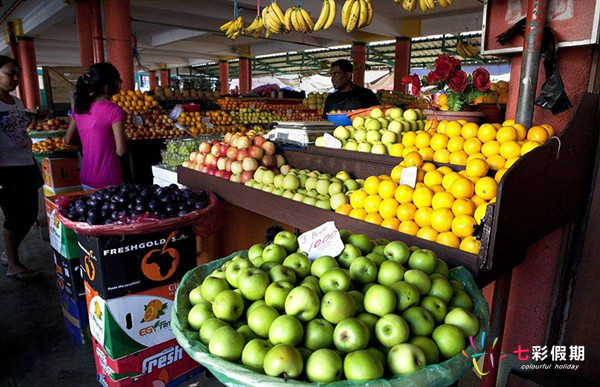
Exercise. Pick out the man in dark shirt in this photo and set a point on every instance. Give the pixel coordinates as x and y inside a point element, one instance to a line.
<point>347,96</point>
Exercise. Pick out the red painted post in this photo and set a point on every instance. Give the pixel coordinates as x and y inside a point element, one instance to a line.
<point>14,53</point>
<point>117,14</point>
<point>224,76</point>
<point>152,76</point>
<point>83,17</point>
<point>401,62</point>
<point>244,71</point>
<point>164,77</point>
<point>359,57</point>
<point>97,38</point>
<point>29,75</point>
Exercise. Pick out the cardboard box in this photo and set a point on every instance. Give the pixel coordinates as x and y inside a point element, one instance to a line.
<point>166,364</point>
<point>61,173</point>
<point>126,325</point>
<point>62,239</point>
<point>69,276</point>
<point>49,191</point>
<point>119,265</point>
<point>76,318</point>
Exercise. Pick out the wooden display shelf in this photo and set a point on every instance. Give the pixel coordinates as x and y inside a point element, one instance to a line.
<point>543,190</point>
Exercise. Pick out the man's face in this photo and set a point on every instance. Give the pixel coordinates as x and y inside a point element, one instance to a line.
<point>338,77</point>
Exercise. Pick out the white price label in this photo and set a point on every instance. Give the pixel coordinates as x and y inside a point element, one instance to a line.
<point>176,112</point>
<point>323,240</point>
<point>332,142</point>
<point>409,177</point>
<point>205,120</point>
<point>138,120</point>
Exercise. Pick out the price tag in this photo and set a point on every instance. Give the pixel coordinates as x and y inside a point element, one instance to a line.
<point>409,177</point>
<point>290,111</point>
<point>205,120</point>
<point>252,106</point>
<point>332,142</point>
<point>323,240</point>
<point>138,120</point>
<point>176,112</point>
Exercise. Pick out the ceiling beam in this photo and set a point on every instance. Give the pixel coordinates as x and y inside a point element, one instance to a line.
<point>173,36</point>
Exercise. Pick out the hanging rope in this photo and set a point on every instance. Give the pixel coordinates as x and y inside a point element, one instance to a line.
<point>235,9</point>
<point>257,8</point>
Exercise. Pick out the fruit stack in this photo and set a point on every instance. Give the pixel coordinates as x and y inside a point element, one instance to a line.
<point>48,125</point>
<point>376,310</point>
<point>135,102</point>
<point>395,97</point>
<point>315,100</point>
<point>51,145</point>
<point>151,124</point>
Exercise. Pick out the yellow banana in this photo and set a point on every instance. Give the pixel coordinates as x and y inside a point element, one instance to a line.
<point>275,7</point>
<point>362,16</point>
<point>278,23</point>
<point>252,25</point>
<point>307,20</point>
<point>354,14</point>
<point>443,3</point>
<point>267,34</point>
<point>294,20</point>
<point>346,12</point>
<point>231,28</point>
<point>369,12</point>
<point>430,4</point>
<point>301,22</point>
<point>226,26</point>
<point>323,16</point>
<point>423,5</point>
<point>287,21</point>
<point>411,5</point>
<point>332,11</point>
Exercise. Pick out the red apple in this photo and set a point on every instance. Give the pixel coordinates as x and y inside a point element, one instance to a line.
<point>232,152</point>
<point>204,169</point>
<point>228,137</point>
<point>269,148</point>
<point>214,150</point>
<point>236,167</point>
<point>244,142</point>
<point>221,163</point>
<point>255,152</point>
<point>226,174</point>
<point>241,155</point>
<point>215,162</point>
<point>215,142</point>
<point>246,175</point>
<point>219,173</point>
<point>211,171</point>
<point>228,163</point>
<point>267,161</point>
<point>259,140</point>
<point>193,156</point>
<point>285,169</point>
<point>223,150</point>
<point>208,159</point>
<point>236,178</point>
<point>279,161</point>
<point>204,148</point>
<point>249,164</point>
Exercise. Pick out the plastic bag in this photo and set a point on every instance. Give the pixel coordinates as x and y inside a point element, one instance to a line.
<point>205,221</point>
<point>235,374</point>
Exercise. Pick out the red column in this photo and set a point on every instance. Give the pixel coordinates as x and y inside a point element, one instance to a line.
<point>97,38</point>
<point>117,14</point>
<point>224,76</point>
<point>14,53</point>
<point>401,62</point>
<point>29,75</point>
<point>152,76</point>
<point>245,77</point>
<point>83,16</point>
<point>359,57</point>
<point>164,77</point>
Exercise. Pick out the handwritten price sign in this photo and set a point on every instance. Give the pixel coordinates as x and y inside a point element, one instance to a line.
<point>323,240</point>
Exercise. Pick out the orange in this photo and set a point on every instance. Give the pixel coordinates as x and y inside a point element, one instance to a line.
<point>383,178</point>
<point>508,122</point>
<point>477,167</point>
<point>426,153</point>
<point>480,213</point>
<point>456,144</point>
<point>486,188</point>
<point>486,133</point>
<point>537,133</point>
<point>475,156</point>
<point>462,188</point>
<point>528,146</point>
<point>357,199</point>
<point>343,209</point>
<point>448,239</point>
<point>423,216</point>
<point>507,133</point>
<point>372,185</point>
<point>449,179</point>
<point>420,175</point>
<point>396,173</point>
<point>441,219</point>
<point>422,140</point>
<point>459,158</point>
<point>549,129</point>
<point>409,149</point>
<point>469,130</point>
<point>408,227</point>
<point>372,203</point>
<point>453,129</point>
<point>499,174</point>
<point>373,219</point>
<point>422,197</point>
<point>428,234</point>
<point>441,156</point>
<point>470,245</point>
<point>496,162</point>
<point>441,128</point>
<point>490,148</point>
<point>358,213</point>
<point>386,189</point>
<point>509,163</point>
<point>408,139</point>
<point>510,149</point>
<point>428,167</point>
<point>463,206</point>
<point>462,122</point>
<point>478,201</point>
<point>442,199</point>
<point>396,150</point>
<point>445,169</point>
<point>413,159</point>
<point>391,223</point>
<point>442,99</point>
<point>436,188</point>
<point>406,211</point>
<point>404,194</point>
<point>521,131</point>
<point>438,141</point>
<point>472,146</point>
<point>462,226</point>
<point>388,207</point>
<point>433,178</point>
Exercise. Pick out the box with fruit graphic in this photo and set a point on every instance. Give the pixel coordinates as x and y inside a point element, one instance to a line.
<point>69,277</point>
<point>76,318</point>
<point>62,239</point>
<point>163,365</point>
<point>129,324</point>
<point>119,265</point>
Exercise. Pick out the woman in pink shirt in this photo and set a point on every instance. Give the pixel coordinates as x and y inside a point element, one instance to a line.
<point>99,123</point>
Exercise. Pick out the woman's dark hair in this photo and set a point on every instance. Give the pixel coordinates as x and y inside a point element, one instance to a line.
<point>7,59</point>
<point>92,84</point>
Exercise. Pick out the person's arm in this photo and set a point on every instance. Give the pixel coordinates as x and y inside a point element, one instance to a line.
<point>71,136</point>
<point>120,141</point>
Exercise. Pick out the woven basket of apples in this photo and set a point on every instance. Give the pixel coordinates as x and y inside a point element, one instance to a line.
<point>378,313</point>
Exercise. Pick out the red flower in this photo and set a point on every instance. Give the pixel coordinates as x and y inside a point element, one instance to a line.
<point>458,81</point>
<point>443,69</point>
<point>433,78</point>
<point>455,63</point>
<point>414,81</point>
<point>481,79</point>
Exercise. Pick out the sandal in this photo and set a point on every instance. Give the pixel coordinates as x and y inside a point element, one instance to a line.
<point>24,274</point>
<point>4,259</point>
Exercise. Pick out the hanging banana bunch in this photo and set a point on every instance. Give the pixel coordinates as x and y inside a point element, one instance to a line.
<point>356,14</point>
<point>466,49</point>
<point>424,5</point>
<point>273,18</point>
<point>299,20</point>
<point>256,28</point>
<point>326,16</point>
<point>233,28</point>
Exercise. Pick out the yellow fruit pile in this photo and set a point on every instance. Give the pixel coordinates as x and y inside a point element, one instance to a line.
<point>51,144</point>
<point>134,101</point>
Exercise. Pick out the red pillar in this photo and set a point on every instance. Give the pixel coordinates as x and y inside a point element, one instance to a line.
<point>152,76</point>
<point>401,62</point>
<point>117,14</point>
<point>97,38</point>
<point>29,75</point>
<point>14,53</point>
<point>83,16</point>
<point>224,76</point>
<point>359,57</point>
<point>245,77</point>
<point>164,77</point>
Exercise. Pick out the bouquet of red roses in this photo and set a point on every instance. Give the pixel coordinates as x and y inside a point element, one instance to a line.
<point>447,76</point>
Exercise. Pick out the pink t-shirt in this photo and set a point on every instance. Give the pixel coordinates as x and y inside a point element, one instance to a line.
<point>100,166</point>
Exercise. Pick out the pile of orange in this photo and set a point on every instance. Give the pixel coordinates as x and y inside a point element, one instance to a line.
<point>133,101</point>
<point>51,144</point>
<point>229,103</point>
<point>220,117</point>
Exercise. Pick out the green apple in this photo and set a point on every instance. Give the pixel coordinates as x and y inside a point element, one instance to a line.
<point>349,254</point>
<point>395,113</point>
<point>410,115</point>
<point>290,182</point>
<point>282,273</point>
<point>341,133</point>
<point>432,354</point>
<point>228,306</point>
<point>233,271</point>
<point>467,322</point>
<point>287,240</point>
<point>211,286</point>
<point>351,146</point>
<point>424,260</point>
<point>268,178</point>
<point>343,175</point>
<point>310,201</point>
<point>322,264</point>
<point>274,253</point>
<point>220,272</point>
<point>288,194</point>
<point>283,361</point>
<point>442,268</point>
<point>419,280</point>
<point>299,197</point>
<point>395,127</point>
<point>376,113</point>
<point>337,305</point>
<point>358,300</point>
<point>335,188</point>
<point>373,135</point>
<point>209,327</point>
<point>461,299</point>
<point>449,339</point>
<point>345,234</point>
<point>364,147</point>
<point>324,366</point>
<point>254,305</point>
<point>323,186</point>
<point>323,204</point>
<point>379,149</point>
<point>254,353</point>
<point>247,332</point>
<point>457,285</point>
<point>302,180</point>
<point>397,251</point>
<point>258,174</point>
<point>362,365</point>
<point>351,185</point>
<point>367,287</point>
<point>436,307</point>
<point>391,329</point>
<point>286,330</point>
<point>258,186</point>
<point>433,276</point>
<point>441,288</point>
<point>278,181</point>
<point>267,266</point>
<point>384,123</point>
<point>390,272</point>
<point>195,296</point>
<point>380,300</point>
<point>318,333</point>
<point>257,261</point>
<point>362,242</point>
<point>378,259</point>
<point>337,200</point>
<point>311,183</point>
<point>276,294</point>
<point>350,335</point>
<point>358,122</point>
<point>199,314</point>
<point>335,279</point>
<point>305,353</point>
<point>370,320</point>
<point>253,283</point>
<point>227,343</point>
<point>419,320</point>
<point>261,318</point>
<point>360,135</point>
<point>372,126</point>
<point>299,263</point>
<point>405,359</point>
<point>363,270</point>
<point>303,303</point>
